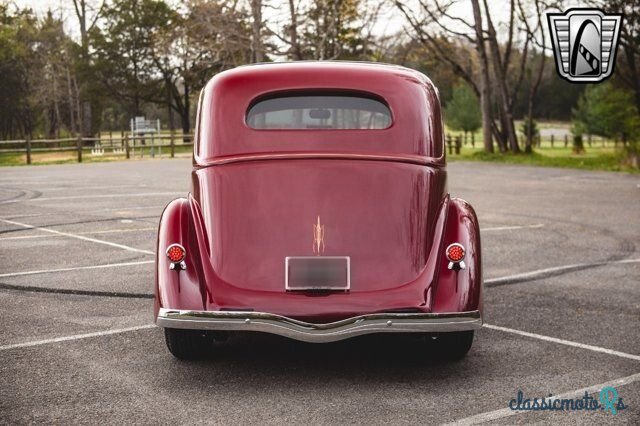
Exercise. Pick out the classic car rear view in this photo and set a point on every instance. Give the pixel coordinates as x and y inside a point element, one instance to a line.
<point>318,211</point>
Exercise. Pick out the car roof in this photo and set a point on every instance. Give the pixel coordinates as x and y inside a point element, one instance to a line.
<point>416,129</point>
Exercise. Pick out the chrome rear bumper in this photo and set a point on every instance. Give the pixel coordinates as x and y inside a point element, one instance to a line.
<point>319,333</point>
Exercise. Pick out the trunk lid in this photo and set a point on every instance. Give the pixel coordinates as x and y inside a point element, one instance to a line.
<point>379,213</point>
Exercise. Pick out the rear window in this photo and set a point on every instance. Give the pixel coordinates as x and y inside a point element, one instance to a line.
<point>324,111</point>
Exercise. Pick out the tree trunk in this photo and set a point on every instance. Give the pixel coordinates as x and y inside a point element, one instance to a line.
<point>508,126</point>
<point>578,145</point>
<point>72,120</point>
<point>87,130</point>
<point>485,94</point>
<point>78,111</point>
<point>186,119</point>
<point>529,120</point>
<point>256,31</point>
<point>296,51</point>
<point>499,133</point>
<point>630,53</point>
<point>85,112</point>
<point>186,125</point>
<point>172,125</point>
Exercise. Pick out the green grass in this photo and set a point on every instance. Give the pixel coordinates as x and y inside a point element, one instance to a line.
<point>607,159</point>
<point>70,157</point>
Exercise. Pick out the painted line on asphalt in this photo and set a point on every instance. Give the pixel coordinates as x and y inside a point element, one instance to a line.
<point>124,209</point>
<point>117,210</point>
<point>563,342</point>
<point>509,228</point>
<point>76,268</point>
<point>75,337</point>
<point>549,272</point>
<point>578,393</point>
<point>107,231</point>
<point>87,188</point>
<point>79,237</point>
<point>76,197</point>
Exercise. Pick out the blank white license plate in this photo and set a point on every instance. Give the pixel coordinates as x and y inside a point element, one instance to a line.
<point>317,273</point>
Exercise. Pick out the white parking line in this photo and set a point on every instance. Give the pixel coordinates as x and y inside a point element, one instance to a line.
<point>75,337</point>
<point>75,197</point>
<point>107,231</point>
<point>87,188</point>
<point>121,209</point>
<point>79,237</point>
<point>563,342</point>
<point>507,412</point>
<point>508,228</point>
<point>76,268</point>
<point>117,209</point>
<point>542,272</point>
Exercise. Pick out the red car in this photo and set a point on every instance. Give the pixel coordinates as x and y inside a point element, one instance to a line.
<point>318,211</point>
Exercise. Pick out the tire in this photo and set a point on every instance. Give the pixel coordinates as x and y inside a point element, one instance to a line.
<point>186,344</point>
<point>454,345</point>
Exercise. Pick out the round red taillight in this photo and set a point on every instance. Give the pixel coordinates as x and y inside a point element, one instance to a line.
<point>455,252</point>
<point>176,253</point>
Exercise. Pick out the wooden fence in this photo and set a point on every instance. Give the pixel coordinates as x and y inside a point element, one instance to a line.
<point>454,143</point>
<point>132,146</point>
<point>126,145</point>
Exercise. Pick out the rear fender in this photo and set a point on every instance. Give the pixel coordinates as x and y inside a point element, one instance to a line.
<point>460,290</point>
<point>178,289</point>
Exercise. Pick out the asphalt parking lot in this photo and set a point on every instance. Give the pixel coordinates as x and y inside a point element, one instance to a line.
<point>78,344</point>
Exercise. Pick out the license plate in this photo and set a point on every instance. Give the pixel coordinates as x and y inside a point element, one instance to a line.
<point>317,273</point>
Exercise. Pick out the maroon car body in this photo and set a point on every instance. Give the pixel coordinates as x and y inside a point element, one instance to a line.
<point>269,187</point>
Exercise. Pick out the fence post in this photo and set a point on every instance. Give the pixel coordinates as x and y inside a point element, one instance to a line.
<point>28,146</point>
<point>458,144</point>
<point>449,144</point>
<point>551,141</point>
<point>566,140</point>
<point>126,146</point>
<point>79,148</point>
<point>173,143</point>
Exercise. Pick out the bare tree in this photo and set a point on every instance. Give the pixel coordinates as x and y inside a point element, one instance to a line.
<point>207,37</point>
<point>500,66</point>
<point>326,29</point>
<point>628,67</point>
<point>294,42</point>
<point>500,70</point>
<point>87,14</point>
<point>257,51</point>
<point>535,34</point>
<point>484,85</point>
<point>429,27</point>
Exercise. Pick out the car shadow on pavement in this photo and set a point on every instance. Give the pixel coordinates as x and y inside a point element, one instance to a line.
<point>372,351</point>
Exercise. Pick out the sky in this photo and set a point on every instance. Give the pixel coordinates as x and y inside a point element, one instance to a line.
<point>391,22</point>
